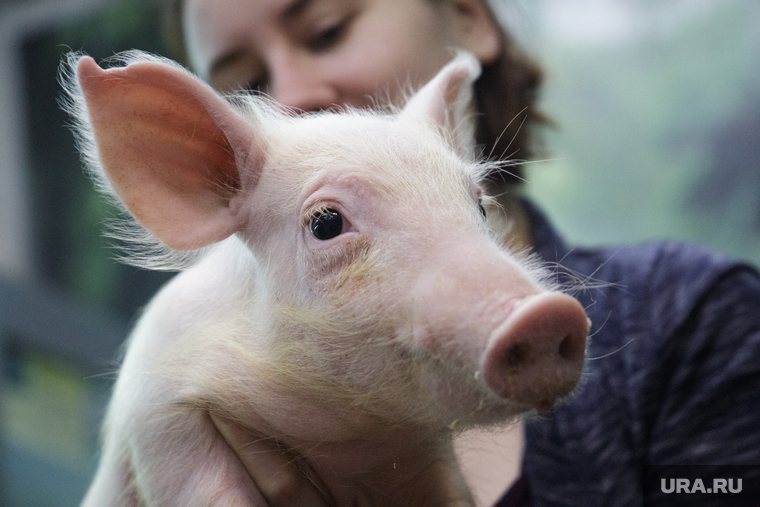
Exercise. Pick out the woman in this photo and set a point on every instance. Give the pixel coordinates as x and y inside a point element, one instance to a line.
<point>673,375</point>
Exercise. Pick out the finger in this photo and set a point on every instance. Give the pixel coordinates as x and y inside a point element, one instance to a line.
<point>275,473</point>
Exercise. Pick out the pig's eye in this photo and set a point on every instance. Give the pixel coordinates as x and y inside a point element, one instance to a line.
<point>326,224</point>
<point>482,210</point>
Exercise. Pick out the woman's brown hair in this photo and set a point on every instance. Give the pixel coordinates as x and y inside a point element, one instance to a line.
<point>506,94</point>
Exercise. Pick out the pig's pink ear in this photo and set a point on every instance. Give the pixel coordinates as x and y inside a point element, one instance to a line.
<point>446,100</point>
<point>171,148</point>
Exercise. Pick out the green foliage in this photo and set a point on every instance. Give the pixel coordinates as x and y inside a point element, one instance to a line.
<point>639,122</point>
<point>70,216</point>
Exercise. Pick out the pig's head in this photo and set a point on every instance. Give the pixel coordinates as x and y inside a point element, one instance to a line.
<point>369,251</point>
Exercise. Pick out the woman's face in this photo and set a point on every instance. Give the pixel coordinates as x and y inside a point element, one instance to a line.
<point>315,54</point>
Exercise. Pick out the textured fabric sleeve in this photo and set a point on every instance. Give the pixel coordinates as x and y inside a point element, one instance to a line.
<point>710,414</point>
<point>672,374</point>
<point>673,379</point>
<point>711,401</point>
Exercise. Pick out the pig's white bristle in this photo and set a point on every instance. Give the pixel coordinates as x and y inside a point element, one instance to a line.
<point>359,393</point>
<point>460,122</point>
<point>136,246</point>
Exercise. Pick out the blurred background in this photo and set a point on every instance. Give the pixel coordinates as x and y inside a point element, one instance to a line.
<point>657,106</point>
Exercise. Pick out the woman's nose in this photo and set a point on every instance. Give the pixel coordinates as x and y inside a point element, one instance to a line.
<point>301,84</point>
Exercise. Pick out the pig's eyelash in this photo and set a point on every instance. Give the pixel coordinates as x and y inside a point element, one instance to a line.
<point>313,211</point>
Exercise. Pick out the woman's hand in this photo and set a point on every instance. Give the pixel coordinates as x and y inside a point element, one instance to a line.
<point>276,474</point>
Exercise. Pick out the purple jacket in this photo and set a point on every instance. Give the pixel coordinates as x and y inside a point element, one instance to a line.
<point>672,374</point>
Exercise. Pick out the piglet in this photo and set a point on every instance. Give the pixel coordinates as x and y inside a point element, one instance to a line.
<point>341,293</point>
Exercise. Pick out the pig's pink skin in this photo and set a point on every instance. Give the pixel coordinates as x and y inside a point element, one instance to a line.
<point>361,354</point>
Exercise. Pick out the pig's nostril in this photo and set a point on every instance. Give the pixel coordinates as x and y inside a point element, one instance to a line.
<point>515,356</point>
<point>572,347</point>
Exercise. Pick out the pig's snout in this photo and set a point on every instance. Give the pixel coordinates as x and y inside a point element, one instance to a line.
<point>537,355</point>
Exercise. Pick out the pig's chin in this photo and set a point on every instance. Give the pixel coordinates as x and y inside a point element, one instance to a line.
<point>465,402</point>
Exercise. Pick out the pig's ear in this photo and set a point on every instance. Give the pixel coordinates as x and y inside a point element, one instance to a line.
<point>171,148</point>
<point>446,100</point>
